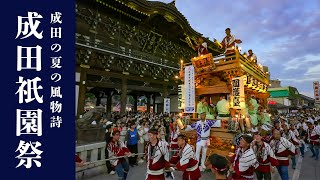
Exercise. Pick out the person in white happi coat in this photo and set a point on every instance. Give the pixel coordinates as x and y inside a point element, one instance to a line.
<point>202,127</point>
<point>313,136</point>
<point>157,157</point>
<point>317,125</point>
<point>283,149</point>
<point>184,160</point>
<point>291,136</point>
<point>218,165</point>
<point>229,42</point>
<point>174,132</point>
<point>303,124</point>
<point>294,130</point>
<point>201,47</point>
<point>265,156</point>
<point>252,57</point>
<point>244,161</point>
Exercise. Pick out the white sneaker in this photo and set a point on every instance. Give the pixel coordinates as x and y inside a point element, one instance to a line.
<point>200,168</point>
<point>203,167</point>
<point>112,172</point>
<point>172,176</point>
<point>140,161</point>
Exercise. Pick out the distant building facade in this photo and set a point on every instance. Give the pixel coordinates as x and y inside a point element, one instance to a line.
<point>275,83</point>
<point>284,98</point>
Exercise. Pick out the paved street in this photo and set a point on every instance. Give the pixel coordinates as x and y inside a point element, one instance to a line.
<point>310,168</point>
<point>139,173</point>
<point>307,169</point>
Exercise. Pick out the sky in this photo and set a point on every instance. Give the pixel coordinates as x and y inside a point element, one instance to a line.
<point>284,34</point>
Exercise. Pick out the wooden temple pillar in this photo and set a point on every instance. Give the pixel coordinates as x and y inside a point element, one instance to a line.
<point>154,103</point>
<point>165,93</point>
<point>148,103</point>
<point>82,92</point>
<point>124,89</point>
<point>135,105</point>
<point>97,94</point>
<point>109,104</point>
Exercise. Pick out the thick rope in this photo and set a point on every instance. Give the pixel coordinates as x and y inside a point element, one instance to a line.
<point>113,158</point>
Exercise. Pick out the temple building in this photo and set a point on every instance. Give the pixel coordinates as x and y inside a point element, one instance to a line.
<point>131,48</point>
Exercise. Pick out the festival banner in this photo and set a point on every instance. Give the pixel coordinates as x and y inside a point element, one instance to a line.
<point>38,90</point>
<point>254,83</point>
<point>166,107</point>
<point>189,88</point>
<point>181,96</point>
<point>260,85</point>
<point>238,100</point>
<point>316,91</point>
<point>248,80</point>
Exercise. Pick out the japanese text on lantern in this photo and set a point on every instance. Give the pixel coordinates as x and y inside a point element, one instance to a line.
<point>238,92</point>
<point>56,95</point>
<point>29,121</point>
<point>316,91</point>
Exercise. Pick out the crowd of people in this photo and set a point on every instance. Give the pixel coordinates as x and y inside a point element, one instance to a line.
<point>266,144</point>
<point>133,129</point>
<point>166,149</point>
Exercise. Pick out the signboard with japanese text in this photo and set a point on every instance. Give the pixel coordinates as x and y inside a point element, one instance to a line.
<point>260,85</point>
<point>181,96</point>
<point>238,99</point>
<point>248,81</point>
<point>39,64</point>
<point>252,83</point>
<point>166,107</point>
<point>189,87</point>
<point>316,91</point>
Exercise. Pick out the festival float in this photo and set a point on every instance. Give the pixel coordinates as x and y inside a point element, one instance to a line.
<point>233,75</point>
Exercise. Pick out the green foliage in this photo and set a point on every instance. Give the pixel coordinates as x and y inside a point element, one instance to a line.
<point>90,95</point>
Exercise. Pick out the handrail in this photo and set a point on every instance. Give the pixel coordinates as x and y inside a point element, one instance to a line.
<point>253,68</point>
<point>96,152</point>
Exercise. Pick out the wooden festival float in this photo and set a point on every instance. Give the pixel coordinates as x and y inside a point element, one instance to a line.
<point>233,75</point>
